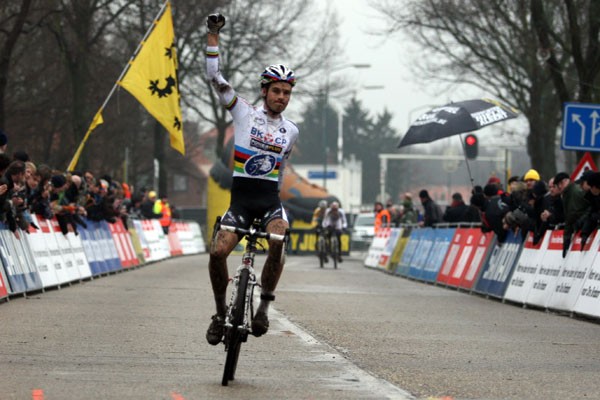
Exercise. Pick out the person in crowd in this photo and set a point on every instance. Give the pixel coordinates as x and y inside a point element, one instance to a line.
<point>530,178</point>
<point>583,180</point>
<point>590,220</point>
<point>395,214</point>
<point>162,207</point>
<point>318,214</point>
<point>147,206</point>
<point>574,205</point>
<point>21,155</point>
<point>457,210</point>
<point>59,204</point>
<point>552,213</point>
<point>12,197</point>
<point>3,142</point>
<point>493,210</point>
<point>409,215</point>
<point>383,219</point>
<point>334,223</point>
<point>39,200</point>
<point>432,213</point>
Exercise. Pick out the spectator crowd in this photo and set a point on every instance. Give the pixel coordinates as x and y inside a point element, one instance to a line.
<point>73,197</point>
<point>529,204</point>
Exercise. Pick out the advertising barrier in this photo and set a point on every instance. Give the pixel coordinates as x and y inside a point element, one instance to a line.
<point>409,252</point>
<point>496,273</point>
<point>385,258</point>
<point>588,300</point>
<point>483,249</point>
<point>527,268</point>
<point>377,247</point>
<point>575,269</point>
<point>399,249</point>
<point>550,265</point>
<point>441,243</point>
<point>422,253</point>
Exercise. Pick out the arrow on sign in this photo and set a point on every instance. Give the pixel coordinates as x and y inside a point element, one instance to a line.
<point>595,126</point>
<point>576,118</point>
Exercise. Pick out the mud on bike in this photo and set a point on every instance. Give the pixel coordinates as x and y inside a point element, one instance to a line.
<point>238,320</point>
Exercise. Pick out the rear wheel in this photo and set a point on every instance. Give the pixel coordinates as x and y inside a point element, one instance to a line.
<point>235,335</point>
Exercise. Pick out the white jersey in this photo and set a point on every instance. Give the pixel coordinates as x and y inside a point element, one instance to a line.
<point>262,144</point>
<point>336,221</point>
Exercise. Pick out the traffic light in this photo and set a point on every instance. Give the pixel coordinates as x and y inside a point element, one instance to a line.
<point>471,146</point>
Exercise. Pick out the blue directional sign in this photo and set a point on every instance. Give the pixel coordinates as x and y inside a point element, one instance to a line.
<point>581,127</point>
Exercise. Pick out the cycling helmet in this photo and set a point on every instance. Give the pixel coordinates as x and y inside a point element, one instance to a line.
<point>277,73</point>
<point>335,205</point>
<point>323,204</point>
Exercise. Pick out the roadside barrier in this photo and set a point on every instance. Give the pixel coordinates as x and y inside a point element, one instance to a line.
<point>515,271</point>
<point>44,258</point>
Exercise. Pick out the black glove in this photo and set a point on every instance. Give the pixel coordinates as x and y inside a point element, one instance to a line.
<point>214,23</point>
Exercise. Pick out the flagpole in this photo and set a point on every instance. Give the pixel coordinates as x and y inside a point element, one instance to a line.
<point>95,122</point>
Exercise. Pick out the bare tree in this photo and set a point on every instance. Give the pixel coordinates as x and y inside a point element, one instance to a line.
<point>258,34</point>
<point>493,45</point>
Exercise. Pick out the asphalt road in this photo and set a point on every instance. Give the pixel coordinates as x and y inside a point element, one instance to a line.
<point>351,333</point>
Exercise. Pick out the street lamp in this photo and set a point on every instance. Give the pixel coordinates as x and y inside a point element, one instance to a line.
<point>324,114</point>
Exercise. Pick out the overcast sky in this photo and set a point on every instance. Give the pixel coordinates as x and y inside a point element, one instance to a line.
<point>405,95</point>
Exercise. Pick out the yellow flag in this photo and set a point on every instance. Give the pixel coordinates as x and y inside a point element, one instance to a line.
<point>152,78</point>
<point>98,120</point>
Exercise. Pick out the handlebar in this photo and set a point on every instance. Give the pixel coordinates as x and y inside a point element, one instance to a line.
<point>253,233</point>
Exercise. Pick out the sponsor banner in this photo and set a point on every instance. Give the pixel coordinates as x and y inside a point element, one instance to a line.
<point>141,234</point>
<point>399,249</point>
<point>174,242</point>
<point>441,243</point>
<point>483,248</point>
<point>455,249</point>
<point>496,272</point>
<point>3,282</point>
<point>588,300</point>
<point>302,241</point>
<point>37,241</point>
<point>466,254</point>
<point>14,275</point>
<point>136,242</point>
<point>81,261</point>
<point>547,274</point>
<point>409,252</point>
<point>66,253</point>
<point>575,269</point>
<point>33,280</point>
<point>527,267</point>
<point>386,255</point>
<point>377,247</point>
<point>56,260</point>
<point>163,243</point>
<point>92,250</point>
<point>123,245</point>
<point>198,245</point>
<point>107,244</point>
<point>422,253</point>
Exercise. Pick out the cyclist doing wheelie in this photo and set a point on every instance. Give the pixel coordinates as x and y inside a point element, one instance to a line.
<point>334,222</point>
<point>263,140</point>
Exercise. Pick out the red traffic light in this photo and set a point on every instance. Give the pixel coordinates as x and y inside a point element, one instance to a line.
<point>471,146</point>
<point>471,140</point>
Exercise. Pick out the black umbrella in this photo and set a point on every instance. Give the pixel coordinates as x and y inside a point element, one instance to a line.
<point>455,118</point>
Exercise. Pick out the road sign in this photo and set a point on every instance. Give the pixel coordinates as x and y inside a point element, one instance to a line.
<point>585,164</point>
<point>581,126</point>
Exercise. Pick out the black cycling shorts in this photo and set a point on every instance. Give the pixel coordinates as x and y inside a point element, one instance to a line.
<point>251,199</point>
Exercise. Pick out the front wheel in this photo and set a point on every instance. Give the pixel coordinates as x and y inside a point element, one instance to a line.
<point>334,250</point>
<point>235,335</point>
<point>321,250</point>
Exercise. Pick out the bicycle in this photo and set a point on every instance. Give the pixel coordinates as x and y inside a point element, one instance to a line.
<point>328,245</point>
<point>238,320</point>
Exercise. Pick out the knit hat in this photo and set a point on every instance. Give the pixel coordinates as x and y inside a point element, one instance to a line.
<point>532,174</point>
<point>494,179</point>
<point>3,138</point>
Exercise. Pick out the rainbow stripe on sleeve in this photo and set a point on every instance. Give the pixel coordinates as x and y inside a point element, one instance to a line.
<point>212,54</point>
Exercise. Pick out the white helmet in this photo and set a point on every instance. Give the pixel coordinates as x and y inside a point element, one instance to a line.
<point>277,73</point>
<point>323,204</point>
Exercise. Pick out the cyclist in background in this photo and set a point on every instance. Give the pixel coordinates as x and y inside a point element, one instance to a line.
<point>263,140</point>
<point>335,221</point>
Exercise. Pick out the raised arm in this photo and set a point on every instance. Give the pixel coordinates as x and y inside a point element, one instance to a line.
<point>226,94</point>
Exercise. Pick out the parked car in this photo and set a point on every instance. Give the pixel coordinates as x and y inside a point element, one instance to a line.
<point>363,231</point>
